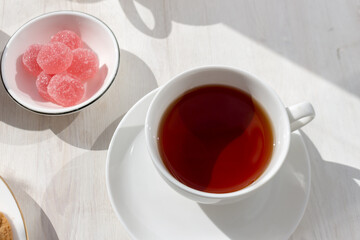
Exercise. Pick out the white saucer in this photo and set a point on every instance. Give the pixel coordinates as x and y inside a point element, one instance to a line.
<point>10,208</point>
<point>150,209</point>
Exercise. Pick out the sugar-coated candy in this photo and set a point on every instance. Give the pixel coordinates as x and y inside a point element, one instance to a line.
<point>65,89</point>
<point>85,64</point>
<point>42,82</point>
<point>55,57</point>
<point>69,38</point>
<point>29,59</point>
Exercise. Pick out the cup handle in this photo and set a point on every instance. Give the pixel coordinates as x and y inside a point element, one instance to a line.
<point>300,114</point>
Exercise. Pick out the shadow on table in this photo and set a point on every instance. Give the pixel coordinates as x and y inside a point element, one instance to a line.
<point>37,222</point>
<point>14,115</point>
<point>133,81</point>
<point>85,1</point>
<point>3,40</point>
<point>79,187</point>
<point>320,36</point>
<point>334,198</point>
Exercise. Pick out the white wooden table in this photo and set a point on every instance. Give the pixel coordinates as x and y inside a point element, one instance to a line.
<point>307,50</point>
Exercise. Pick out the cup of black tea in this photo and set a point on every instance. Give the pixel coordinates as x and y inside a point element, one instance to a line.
<point>217,134</point>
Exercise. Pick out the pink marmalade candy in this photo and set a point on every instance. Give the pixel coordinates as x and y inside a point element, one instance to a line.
<point>85,64</point>
<point>54,58</point>
<point>42,82</point>
<point>69,38</point>
<point>29,59</point>
<point>65,89</point>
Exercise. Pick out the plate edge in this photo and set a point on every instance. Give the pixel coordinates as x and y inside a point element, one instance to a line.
<point>13,195</point>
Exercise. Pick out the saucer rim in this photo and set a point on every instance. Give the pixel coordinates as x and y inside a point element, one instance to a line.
<point>107,177</point>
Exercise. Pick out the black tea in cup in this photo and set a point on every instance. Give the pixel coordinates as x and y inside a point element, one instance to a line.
<point>215,139</point>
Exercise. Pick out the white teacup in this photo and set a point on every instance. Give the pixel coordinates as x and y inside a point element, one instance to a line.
<point>284,120</point>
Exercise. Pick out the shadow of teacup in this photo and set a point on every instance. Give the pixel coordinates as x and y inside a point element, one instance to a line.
<point>334,196</point>
<point>304,32</point>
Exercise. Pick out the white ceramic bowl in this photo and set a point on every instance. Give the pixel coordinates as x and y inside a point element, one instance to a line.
<point>20,84</point>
